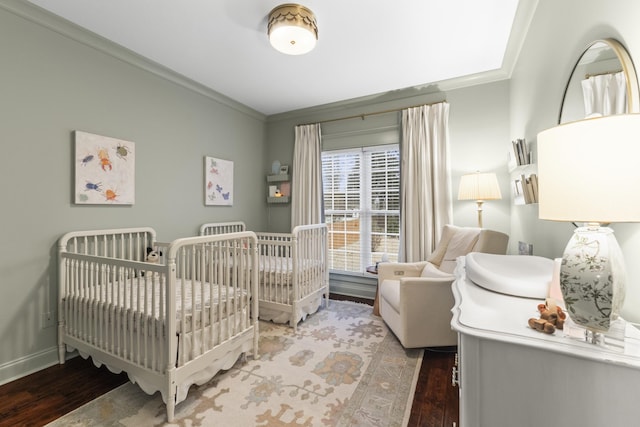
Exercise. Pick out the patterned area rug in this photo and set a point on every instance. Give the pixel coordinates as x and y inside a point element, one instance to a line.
<point>342,368</point>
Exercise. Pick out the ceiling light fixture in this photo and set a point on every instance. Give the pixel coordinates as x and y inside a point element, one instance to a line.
<point>292,29</point>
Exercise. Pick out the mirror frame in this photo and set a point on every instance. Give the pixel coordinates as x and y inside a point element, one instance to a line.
<point>633,93</point>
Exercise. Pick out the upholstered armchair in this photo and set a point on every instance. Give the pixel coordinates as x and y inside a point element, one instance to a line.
<point>415,299</point>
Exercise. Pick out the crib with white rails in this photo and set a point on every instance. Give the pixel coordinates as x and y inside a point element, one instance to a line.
<point>293,272</point>
<point>168,325</point>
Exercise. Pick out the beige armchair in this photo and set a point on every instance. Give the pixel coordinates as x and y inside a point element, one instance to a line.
<point>415,299</point>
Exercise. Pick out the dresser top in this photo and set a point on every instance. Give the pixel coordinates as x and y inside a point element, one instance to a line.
<point>494,316</point>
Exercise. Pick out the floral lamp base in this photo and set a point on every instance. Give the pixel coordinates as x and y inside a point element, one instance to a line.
<point>592,278</point>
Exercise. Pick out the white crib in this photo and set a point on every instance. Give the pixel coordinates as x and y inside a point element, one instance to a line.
<point>293,274</point>
<point>169,325</point>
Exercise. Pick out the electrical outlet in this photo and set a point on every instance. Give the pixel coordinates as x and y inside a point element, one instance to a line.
<point>47,320</point>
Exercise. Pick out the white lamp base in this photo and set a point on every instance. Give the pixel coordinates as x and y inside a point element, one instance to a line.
<point>592,278</point>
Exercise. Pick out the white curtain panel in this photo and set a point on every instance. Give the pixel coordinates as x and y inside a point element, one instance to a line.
<point>425,180</point>
<point>306,191</point>
<point>605,94</point>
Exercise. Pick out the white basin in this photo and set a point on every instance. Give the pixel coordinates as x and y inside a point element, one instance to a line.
<point>519,275</point>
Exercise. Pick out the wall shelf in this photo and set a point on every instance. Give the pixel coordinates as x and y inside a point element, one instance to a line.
<point>278,177</point>
<point>278,184</point>
<point>281,199</point>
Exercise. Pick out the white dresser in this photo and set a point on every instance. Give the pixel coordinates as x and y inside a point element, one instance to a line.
<point>512,376</point>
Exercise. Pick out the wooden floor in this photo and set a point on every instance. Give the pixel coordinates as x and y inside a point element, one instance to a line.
<point>40,398</point>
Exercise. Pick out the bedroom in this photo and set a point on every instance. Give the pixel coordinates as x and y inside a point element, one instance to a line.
<point>54,85</point>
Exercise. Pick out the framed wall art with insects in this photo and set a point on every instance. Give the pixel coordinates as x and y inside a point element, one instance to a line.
<point>218,182</point>
<point>104,169</point>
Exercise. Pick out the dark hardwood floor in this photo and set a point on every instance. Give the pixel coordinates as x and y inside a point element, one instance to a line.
<point>40,398</point>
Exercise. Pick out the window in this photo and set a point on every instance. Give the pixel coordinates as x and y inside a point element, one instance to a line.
<point>362,206</point>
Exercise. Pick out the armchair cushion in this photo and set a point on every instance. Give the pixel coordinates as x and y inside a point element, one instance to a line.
<point>447,233</point>
<point>431,270</point>
<point>460,244</point>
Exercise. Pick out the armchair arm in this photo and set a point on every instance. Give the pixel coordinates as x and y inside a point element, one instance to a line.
<point>425,311</point>
<point>398,270</point>
<point>395,270</point>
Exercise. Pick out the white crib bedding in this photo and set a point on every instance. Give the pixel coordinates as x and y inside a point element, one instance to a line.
<point>280,269</point>
<point>275,279</point>
<point>279,264</point>
<point>120,302</point>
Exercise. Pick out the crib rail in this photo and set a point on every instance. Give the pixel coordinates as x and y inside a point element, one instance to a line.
<point>125,243</point>
<point>310,254</point>
<point>110,305</point>
<point>277,262</point>
<point>213,228</point>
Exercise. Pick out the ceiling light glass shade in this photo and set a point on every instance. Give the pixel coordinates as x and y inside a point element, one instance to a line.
<point>292,29</point>
<point>585,171</point>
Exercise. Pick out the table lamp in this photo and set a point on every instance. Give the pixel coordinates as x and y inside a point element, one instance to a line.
<point>585,171</point>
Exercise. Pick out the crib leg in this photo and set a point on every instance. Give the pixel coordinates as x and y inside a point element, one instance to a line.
<point>171,408</point>
<point>61,348</point>
<point>172,394</point>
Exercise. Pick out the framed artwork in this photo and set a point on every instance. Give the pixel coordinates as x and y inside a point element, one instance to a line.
<point>284,169</point>
<point>218,182</point>
<point>104,169</point>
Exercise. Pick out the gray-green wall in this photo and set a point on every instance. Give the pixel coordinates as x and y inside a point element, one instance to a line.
<point>51,85</point>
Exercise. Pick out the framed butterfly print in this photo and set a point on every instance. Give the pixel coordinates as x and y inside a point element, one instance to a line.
<point>218,182</point>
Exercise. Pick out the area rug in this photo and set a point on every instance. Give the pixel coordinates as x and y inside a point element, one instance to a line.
<point>342,367</point>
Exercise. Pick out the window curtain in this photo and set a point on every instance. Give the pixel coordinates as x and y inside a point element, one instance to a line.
<point>605,94</point>
<point>425,182</point>
<point>306,191</point>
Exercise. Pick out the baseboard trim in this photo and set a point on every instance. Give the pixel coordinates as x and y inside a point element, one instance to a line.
<point>27,365</point>
<point>354,286</point>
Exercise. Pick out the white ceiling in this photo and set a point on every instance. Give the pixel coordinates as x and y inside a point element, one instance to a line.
<point>364,47</point>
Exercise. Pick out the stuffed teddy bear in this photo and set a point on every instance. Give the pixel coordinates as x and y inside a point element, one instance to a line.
<point>552,317</point>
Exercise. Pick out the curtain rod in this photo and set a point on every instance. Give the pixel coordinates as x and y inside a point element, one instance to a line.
<point>362,116</point>
<point>586,76</point>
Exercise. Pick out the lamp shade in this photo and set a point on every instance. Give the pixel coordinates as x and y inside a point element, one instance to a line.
<point>292,29</point>
<point>588,169</point>
<point>479,186</point>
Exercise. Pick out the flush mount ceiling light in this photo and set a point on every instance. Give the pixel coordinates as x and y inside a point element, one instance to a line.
<point>292,29</point>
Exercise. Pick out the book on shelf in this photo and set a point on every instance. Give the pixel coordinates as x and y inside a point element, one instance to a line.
<point>529,188</point>
<point>525,189</point>
<point>534,186</point>
<point>521,152</point>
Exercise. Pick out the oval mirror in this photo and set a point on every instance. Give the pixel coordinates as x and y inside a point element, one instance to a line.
<point>602,82</point>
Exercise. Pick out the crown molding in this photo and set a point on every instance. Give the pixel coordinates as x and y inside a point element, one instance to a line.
<point>521,23</point>
<point>401,98</point>
<point>44,18</point>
